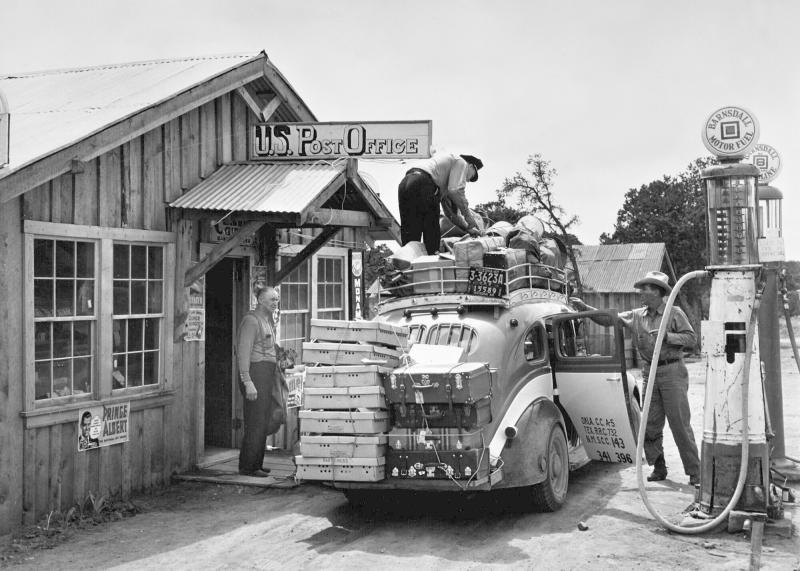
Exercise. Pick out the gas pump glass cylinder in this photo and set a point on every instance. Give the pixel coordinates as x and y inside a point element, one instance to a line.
<point>731,195</point>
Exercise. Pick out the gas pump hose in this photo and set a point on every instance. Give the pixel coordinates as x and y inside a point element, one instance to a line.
<point>710,525</point>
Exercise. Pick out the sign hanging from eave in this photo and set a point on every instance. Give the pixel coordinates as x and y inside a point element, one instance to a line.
<point>330,141</point>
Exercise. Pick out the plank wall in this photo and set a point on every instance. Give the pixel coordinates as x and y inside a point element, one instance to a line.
<point>127,187</point>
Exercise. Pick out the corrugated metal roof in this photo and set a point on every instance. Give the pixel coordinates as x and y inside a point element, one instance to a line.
<point>274,188</point>
<point>616,267</point>
<point>53,109</point>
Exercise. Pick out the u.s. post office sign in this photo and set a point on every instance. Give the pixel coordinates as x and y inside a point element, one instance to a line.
<point>367,140</point>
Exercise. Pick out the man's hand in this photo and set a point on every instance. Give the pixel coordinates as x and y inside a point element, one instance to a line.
<point>250,391</point>
<point>474,232</point>
<point>578,303</point>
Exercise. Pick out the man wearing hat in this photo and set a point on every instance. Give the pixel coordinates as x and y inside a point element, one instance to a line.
<point>670,398</point>
<point>440,179</point>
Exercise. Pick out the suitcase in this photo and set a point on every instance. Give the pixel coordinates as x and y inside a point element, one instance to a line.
<point>500,228</point>
<point>470,253</point>
<point>401,259</point>
<point>432,274</point>
<point>349,354</point>
<point>345,376</point>
<point>436,439</point>
<point>461,383</point>
<point>344,398</point>
<point>442,415</point>
<point>344,422</point>
<point>377,332</point>
<point>336,446</point>
<point>341,469</point>
<point>436,465</point>
<point>515,261</point>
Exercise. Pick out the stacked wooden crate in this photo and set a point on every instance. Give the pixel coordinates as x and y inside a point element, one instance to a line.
<point>344,419</point>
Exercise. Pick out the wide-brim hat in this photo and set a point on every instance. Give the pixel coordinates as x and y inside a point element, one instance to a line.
<point>659,279</point>
<point>476,162</point>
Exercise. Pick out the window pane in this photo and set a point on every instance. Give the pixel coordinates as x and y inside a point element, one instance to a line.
<point>155,297</point>
<point>119,374</point>
<point>151,368</point>
<point>155,266</point>
<point>151,333</point>
<point>121,261</point>
<point>85,261</point>
<point>303,297</point>
<point>337,270</point>
<point>83,338</point>
<point>85,297</point>
<point>139,297</point>
<point>62,339</point>
<point>120,297</point>
<point>83,375</point>
<point>65,298</point>
<point>43,258</point>
<point>42,344</point>
<point>43,378</point>
<point>65,259</point>
<point>135,333</point>
<point>43,298</point>
<point>62,378</point>
<point>138,261</point>
<point>119,336</point>
<point>135,370</point>
<point>321,295</point>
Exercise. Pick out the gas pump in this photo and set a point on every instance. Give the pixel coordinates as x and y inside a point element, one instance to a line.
<point>735,456</point>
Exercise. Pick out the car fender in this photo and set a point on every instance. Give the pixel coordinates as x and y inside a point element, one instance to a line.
<point>523,456</point>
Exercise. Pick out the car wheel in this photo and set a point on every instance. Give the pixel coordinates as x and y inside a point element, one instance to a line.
<point>550,494</point>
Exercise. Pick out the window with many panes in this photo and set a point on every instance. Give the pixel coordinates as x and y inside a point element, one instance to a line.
<point>330,288</point>
<point>95,310</point>
<point>64,317</point>
<point>294,307</point>
<point>138,311</point>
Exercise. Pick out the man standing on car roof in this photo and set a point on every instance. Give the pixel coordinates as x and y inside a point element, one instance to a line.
<point>670,398</point>
<point>440,179</point>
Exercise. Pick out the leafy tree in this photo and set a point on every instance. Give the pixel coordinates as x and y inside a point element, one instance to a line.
<point>670,210</point>
<point>533,193</point>
<point>374,261</point>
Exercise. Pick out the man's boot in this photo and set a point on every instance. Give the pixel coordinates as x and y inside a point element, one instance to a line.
<point>659,470</point>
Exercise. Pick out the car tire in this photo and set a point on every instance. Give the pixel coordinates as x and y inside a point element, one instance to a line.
<point>551,494</point>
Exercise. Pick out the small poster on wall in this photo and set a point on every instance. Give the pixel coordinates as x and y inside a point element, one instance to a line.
<point>294,380</point>
<point>195,326</point>
<point>103,425</point>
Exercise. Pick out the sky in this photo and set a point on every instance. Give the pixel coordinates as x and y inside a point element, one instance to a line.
<point>614,94</point>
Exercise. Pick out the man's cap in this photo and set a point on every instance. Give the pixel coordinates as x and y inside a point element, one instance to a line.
<point>659,279</point>
<point>473,161</point>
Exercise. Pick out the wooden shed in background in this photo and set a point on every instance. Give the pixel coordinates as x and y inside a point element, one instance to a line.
<point>608,273</point>
<point>132,228</point>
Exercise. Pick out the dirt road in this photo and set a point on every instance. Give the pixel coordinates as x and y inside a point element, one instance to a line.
<point>204,526</point>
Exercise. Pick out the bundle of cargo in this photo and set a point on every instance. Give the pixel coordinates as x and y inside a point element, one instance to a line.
<point>514,261</point>
<point>438,416</point>
<point>344,417</point>
<point>435,274</point>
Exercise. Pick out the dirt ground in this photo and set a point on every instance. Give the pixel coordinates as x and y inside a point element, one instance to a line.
<point>208,526</point>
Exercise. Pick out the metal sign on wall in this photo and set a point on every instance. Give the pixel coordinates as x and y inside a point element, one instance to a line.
<point>367,140</point>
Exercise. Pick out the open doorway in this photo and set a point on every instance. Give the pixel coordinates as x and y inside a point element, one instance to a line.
<point>226,301</point>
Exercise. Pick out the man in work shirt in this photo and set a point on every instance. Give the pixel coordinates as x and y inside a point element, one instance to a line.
<point>260,378</point>
<point>442,178</point>
<point>670,398</point>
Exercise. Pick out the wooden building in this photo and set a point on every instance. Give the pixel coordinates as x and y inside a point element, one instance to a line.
<point>133,225</point>
<point>608,273</point>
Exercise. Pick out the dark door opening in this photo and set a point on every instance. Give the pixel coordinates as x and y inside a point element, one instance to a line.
<point>220,333</point>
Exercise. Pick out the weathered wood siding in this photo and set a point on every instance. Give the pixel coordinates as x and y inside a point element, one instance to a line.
<point>127,187</point>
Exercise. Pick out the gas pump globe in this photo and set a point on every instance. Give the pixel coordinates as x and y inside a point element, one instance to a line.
<point>732,199</point>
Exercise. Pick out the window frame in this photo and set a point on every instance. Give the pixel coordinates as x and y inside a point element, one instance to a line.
<point>104,240</point>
